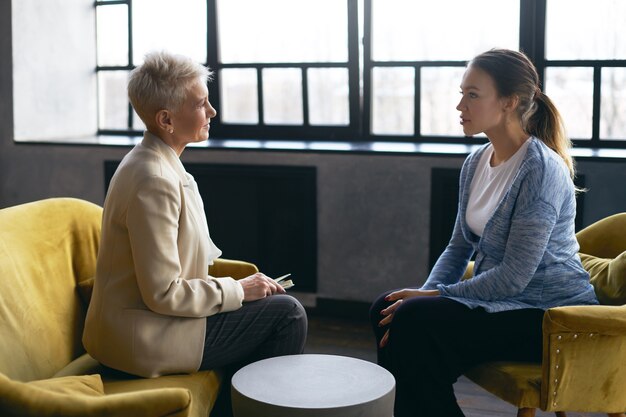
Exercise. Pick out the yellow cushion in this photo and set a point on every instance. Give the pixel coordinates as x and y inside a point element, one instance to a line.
<point>83,396</point>
<point>232,268</point>
<point>203,385</point>
<point>608,277</point>
<point>83,384</point>
<point>515,382</point>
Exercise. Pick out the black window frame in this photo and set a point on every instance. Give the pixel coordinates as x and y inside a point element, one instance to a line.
<point>532,37</point>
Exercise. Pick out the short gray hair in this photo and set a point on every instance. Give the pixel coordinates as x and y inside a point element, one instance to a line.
<point>161,82</point>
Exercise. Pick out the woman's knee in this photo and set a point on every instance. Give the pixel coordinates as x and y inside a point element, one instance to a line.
<point>290,308</point>
<point>379,304</point>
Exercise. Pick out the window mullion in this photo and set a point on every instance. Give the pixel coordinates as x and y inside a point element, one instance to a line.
<point>212,56</point>
<point>597,82</point>
<point>367,70</point>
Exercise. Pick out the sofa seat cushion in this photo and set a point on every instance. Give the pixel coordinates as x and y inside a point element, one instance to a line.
<point>515,382</point>
<point>204,386</point>
<point>84,396</point>
<point>82,385</point>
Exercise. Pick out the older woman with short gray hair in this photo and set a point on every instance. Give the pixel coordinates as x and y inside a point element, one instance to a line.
<point>155,310</point>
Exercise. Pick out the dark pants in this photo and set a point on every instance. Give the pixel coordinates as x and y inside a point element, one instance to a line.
<point>434,340</point>
<point>272,326</point>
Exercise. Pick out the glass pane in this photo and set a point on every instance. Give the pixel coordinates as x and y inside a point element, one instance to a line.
<point>409,30</point>
<point>613,104</point>
<point>328,96</point>
<point>393,101</point>
<point>282,96</point>
<point>176,26</point>
<point>283,30</point>
<point>112,100</point>
<point>112,34</point>
<point>439,98</point>
<point>239,99</point>
<point>137,123</point>
<point>583,29</point>
<point>571,90</point>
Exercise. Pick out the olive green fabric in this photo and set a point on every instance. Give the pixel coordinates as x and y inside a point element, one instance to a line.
<point>46,247</point>
<point>83,396</point>
<point>584,359</point>
<point>584,347</point>
<point>80,384</point>
<point>204,385</point>
<point>516,383</point>
<point>231,268</point>
<point>48,252</point>
<point>605,238</point>
<point>608,277</point>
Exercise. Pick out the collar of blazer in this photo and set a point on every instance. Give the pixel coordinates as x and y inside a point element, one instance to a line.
<point>155,143</point>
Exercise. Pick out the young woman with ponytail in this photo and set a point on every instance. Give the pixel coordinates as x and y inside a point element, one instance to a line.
<point>516,215</point>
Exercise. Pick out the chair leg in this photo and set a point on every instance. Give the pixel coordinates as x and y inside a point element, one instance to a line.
<point>526,412</point>
<point>560,414</point>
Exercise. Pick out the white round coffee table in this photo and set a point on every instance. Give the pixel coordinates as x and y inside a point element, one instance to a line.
<point>313,386</point>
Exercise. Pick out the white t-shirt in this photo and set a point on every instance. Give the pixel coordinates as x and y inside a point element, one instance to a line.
<point>489,186</point>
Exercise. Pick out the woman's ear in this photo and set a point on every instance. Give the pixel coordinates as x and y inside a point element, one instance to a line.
<point>509,104</point>
<point>163,120</point>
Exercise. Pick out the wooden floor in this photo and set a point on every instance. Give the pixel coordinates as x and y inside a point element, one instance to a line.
<point>354,338</point>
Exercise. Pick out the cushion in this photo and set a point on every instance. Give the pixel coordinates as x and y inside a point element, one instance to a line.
<point>83,384</point>
<point>75,396</point>
<point>608,277</point>
<point>203,385</point>
<point>515,382</point>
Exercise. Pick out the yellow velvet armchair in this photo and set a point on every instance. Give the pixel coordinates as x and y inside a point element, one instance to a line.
<point>584,347</point>
<point>47,260</point>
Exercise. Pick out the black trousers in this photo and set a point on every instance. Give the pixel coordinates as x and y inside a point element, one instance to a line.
<point>434,340</point>
<point>272,326</point>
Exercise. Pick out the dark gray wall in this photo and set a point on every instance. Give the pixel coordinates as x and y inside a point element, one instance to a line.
<point>373,210</point>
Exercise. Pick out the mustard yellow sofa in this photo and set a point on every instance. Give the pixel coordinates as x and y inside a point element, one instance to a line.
<point>47,261</point>
<point>584,347</point>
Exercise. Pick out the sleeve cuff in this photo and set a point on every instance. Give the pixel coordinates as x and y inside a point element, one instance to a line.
<point>443,290</point>
<point>232,294</point>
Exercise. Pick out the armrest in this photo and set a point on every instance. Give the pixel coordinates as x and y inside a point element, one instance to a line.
<point>232,268</point>
<point>607,320</point>
<point>584,359</point>
<point>469,272</point>
<point>79,396</point>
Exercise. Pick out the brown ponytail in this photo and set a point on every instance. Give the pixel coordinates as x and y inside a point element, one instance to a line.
<point>543,120</point>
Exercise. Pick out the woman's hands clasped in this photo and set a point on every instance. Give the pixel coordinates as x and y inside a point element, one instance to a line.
<point>399,297</point>
<point>259,286</point>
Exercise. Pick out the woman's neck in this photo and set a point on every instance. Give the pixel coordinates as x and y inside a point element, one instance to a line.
<point>506,141</point>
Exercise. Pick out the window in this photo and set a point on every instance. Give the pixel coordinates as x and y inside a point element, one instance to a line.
<point>366,69</point>
<point>585,68</point>
<point>418,53</point>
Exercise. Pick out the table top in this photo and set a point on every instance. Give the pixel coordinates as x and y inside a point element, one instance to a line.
<point>313,381</point>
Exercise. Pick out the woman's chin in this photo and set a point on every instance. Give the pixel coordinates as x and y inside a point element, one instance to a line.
<point>467,131</point>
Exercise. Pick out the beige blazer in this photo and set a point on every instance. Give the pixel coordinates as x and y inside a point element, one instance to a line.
<point>152,290</point>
